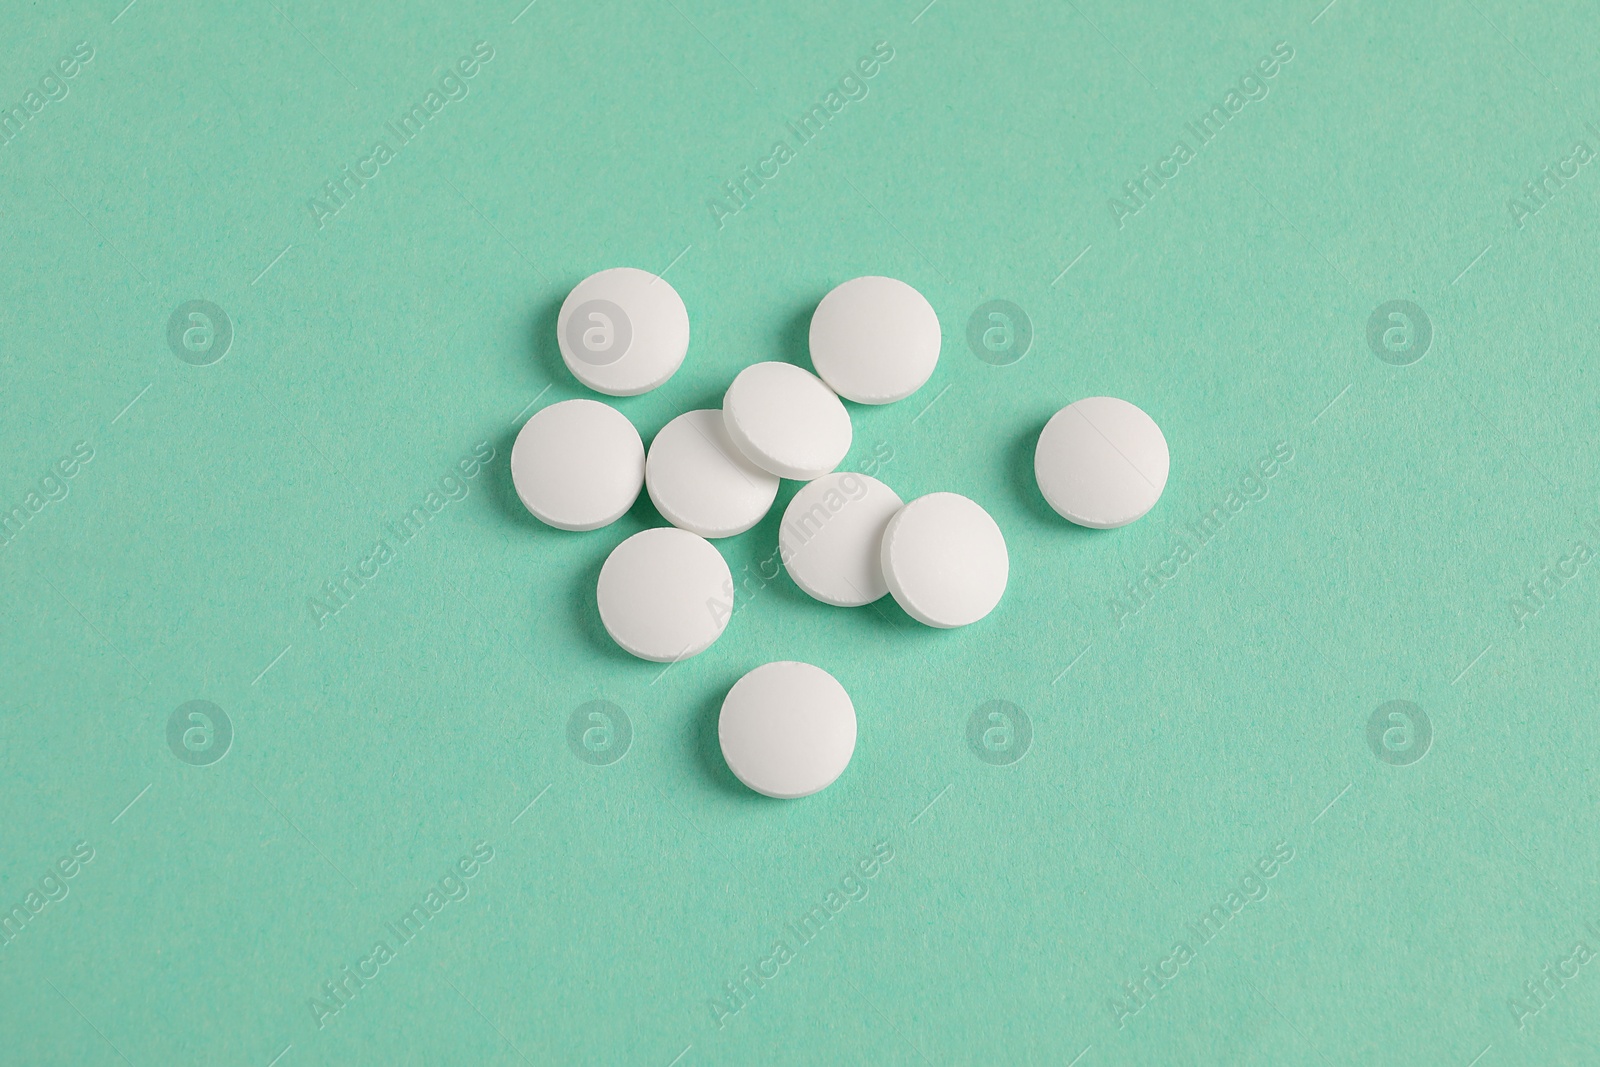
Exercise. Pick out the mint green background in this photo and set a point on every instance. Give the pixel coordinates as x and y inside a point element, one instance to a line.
<point>1221,720</point>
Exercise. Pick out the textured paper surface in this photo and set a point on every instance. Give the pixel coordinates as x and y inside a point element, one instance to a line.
<point>1414,540</point>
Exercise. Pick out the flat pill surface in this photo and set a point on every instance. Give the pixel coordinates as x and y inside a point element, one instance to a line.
<point>787,729</point>
<point>623,331</point>
<point>1101,462</point>
<point>663,594</point>
<point>831,540</point>
<point>786,420</point>
<point>875,340</point>
<point>578,465</point>
<point>700,481</point>
<point>945,560</point>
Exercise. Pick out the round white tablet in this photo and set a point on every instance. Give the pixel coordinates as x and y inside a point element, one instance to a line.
<point>787,729</point>
<point>664,594</point>
<point>945,560</point>
<point>623,331</point>
<point>701,482</point>
<point>578,465</point>
<point>875,340</point>
<point>831,540</point>
<point>786,420</point>
<point>1101,462</point>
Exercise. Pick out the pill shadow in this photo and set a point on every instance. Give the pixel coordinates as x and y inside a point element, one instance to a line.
<point>708,750</point>
<point>500,489</point>
<point>703,398</point>
<point>584,610</point>
<point>542,340</point>
<point>1019,468</point>
<point>885,614</point>
<point>644,513</point>
<point>794,336</point>
<point>881,616</point>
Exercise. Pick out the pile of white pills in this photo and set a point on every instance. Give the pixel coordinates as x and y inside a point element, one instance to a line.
<point>788,729</point>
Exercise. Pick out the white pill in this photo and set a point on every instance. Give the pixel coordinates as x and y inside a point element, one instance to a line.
<point>786,420</point>
<point>1101,462</point>
<point>945,560</point>
<point>875,340</point>
<point>787,729</point>
<point>831,540</point>
<point>578,465</point>
<point>664,594</point>
<point>623,331</point>
<point>701,482</point>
